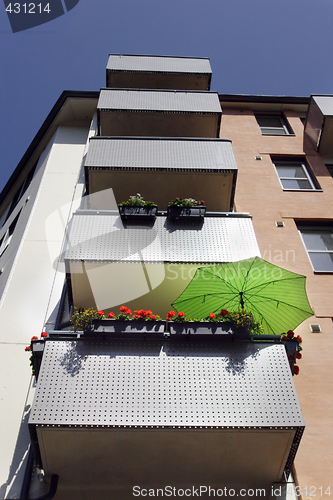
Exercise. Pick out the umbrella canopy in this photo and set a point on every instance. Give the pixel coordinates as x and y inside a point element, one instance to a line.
<point>276,297</point>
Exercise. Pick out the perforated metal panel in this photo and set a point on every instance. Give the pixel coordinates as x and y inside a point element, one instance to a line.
<point>104,238</point>
<point>162,384</point>
<point>216,155</point>
<point>158,63</point>
<point>157,100</point>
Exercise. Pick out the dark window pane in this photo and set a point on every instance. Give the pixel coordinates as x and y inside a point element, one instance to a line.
<point>318,240</point>
<point>291,171</point>
<point>296,184</point>
<point>269,121</point>
<point>322,261</point>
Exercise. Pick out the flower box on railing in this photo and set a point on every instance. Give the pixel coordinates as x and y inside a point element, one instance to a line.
<point>223,328</point>
<point>186,214</point>
<point>111,327</point>
<point>138,214</point>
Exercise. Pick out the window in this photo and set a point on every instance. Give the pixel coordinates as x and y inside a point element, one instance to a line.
<point>20,192</point>
<point>318,241</point>
<point>273,125</point>
<point>5,240</point>
<point>295,174</point>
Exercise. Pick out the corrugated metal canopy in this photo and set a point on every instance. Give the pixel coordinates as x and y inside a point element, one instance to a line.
<point>164,101</point>
<point>325,104</point>
<point>118,62</point>
<point>159,153</point>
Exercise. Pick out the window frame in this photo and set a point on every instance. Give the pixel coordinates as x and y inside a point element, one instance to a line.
<point>272,130</point>
<point>315,227</point>
<point>299,162</point>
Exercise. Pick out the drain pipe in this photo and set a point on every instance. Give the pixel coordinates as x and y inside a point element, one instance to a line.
<point>52,490</point>
<point>27,481</point>
<point>27,476</point>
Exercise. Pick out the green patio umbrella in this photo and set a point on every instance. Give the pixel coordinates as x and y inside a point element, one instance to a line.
<point>276,297</point>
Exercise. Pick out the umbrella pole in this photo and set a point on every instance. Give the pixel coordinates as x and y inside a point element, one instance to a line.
<point>241,300</point>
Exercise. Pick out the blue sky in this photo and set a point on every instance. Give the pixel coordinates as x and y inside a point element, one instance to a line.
<point>265,47</point>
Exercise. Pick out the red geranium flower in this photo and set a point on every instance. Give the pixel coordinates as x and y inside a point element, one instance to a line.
<point>152,316</point>
<point>34,338</point>
<point>299,338</point>
<point>299,355</point>
<point>44,334</point>
<point>170,315</point>
<point>27,348</point>
<point>100,313</point>
<point>224,312</point>
<point>290,334</point>
<point>211,315</point>
<point>111,315</point>
<point>125,310</point>
<point>181,314</point>
<point>136,316</point>
<point>296,369</point>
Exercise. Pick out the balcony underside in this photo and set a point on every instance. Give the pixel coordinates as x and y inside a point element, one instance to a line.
<point>161,187</point>
<point>159,124</point>
<point>146,80</point>
<point>111,415</point>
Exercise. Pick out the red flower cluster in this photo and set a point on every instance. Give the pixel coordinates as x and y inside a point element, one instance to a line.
<point>34,338</point>
<point>289,336</point>
<point>211,315</point>
<point>111,315</point>
<point>181,314</point>
<point>170,315</point>
<point>125,310</point>
<point>100,313</point>
<point>224,312</point>
<point>296,369</point>
<point>141,313</point>
<point>27,348</point>
<point>43,335</point>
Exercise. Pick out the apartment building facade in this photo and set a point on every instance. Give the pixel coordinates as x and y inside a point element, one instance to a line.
<point>283,153</point>
<point>108,415</point>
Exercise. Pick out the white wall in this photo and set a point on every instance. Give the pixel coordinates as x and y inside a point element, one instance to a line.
<point>30,280</point>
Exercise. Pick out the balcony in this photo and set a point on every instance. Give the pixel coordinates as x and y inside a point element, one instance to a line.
<point>319,124</point>
<point>108,416</point>
<point>109,263</point>
<point>161,170</point>
<point>159,113</point>
<point>157,72</point>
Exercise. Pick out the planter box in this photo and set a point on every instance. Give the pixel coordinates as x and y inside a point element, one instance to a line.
<point>187,214</point>
<point>109,327</point>
<point>138,214</point>
<point>208,328</point>
<point>291,346</point>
